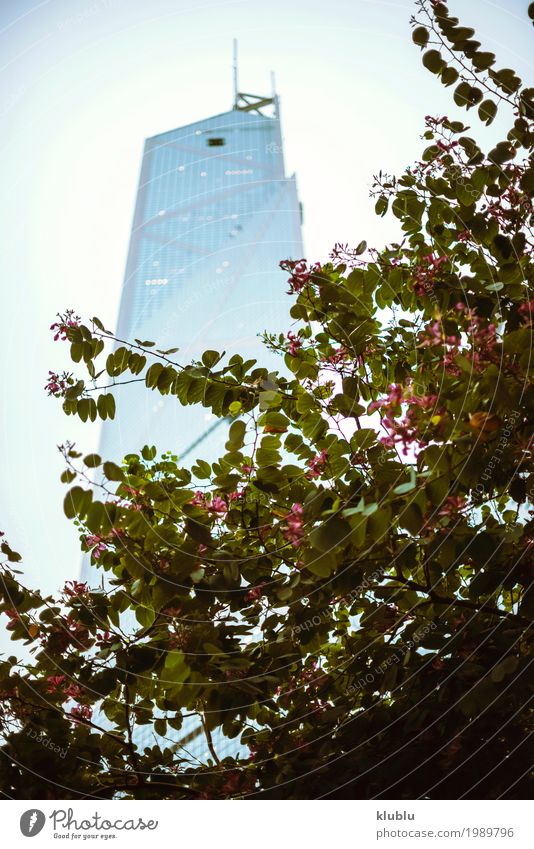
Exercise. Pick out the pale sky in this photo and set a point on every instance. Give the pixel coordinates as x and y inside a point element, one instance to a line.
<point>84,82</point>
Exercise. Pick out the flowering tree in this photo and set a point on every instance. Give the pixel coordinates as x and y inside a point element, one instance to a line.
<point>348,590</point>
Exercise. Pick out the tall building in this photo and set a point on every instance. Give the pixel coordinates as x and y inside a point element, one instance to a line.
<point>215,213</point>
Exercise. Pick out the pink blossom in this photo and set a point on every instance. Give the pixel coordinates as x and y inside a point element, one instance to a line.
<point>97,544</point>
<point>526,310</point>
<point>81,713</point>
<point>425,274</point>
<point>199,499</point>
<point>294,344</point>
<point>54,682</point>
<point>74,588</point>
<point>293,530</point>
<point>410,428</point>
<point>73,691</point>
<point>235,496</point>
<point>68,319</point>
<point>55,386</point>
<point>217,505</point>
<point>299,272</point>
<point>446,147</point>
<point>317,465</point>
<point>255,593</point>
<point>451,505</point>
<point>339,356</point>
<point>13,616</point>
<point>433,334</point>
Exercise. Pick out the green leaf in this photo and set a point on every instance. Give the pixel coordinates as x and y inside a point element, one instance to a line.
<point>487,111</point>
<point>148,452</point>
<point>449,75</point>
<point>330,534</point>
<point>92,460</point>
<point>145,616</point>
<point>320,563</point>
<point>175,667</point>
<point>83,409</point>
<point>101,407</point>
<point>110,405</point>
<point>381,206</point>
<point>483,61</point>
<point>211,358</point>
<point>420,36</point>
<point>433,61</point>
<point>236,435</point>
<point>201,470</point>
<point>113,472</point>
<point>152,375</point>
<point>76,502</point>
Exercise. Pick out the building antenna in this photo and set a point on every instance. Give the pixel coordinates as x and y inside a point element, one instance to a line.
<point>274,95</point>
<point>235,73</point>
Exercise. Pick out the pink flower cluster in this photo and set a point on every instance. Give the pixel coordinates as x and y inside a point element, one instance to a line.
<point>445,147</point>
<point>105,638</point>
<point>75,588</point>
<point>97,544</point>
<point>13,616</point>
<point>255,593</point>
<point>66,631</point>
<point>60,328</point>
<point>56,385</point>
<point>317,465</point>
<point>452,505</point>
<point>81,713</point>
<point>435,123</point>
<point>339,356</point>
<point>293,530</point>
<point>433,334</point>
<point>526,311</point>
<point>216,504</point>
<point>449,510</point>
<point>56,683</point>
<point>483,337</point>
<point>426,273</point>
<point>294,343</point>
<point>300,273</point>
<point>409,430</point>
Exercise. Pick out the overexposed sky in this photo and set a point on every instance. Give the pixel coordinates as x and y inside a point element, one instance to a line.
<point>83,82</point>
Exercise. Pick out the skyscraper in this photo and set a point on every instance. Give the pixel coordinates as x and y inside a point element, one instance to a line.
<point>215,213</point>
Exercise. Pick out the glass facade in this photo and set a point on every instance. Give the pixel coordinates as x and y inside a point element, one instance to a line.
<point>215,214</point>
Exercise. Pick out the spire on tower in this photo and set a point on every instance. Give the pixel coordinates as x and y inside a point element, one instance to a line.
<point>252,102</point>
<point>235,74</point>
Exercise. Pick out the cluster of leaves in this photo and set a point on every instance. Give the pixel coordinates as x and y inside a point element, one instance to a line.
<point>452,53</point>
<point>348,589</point>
